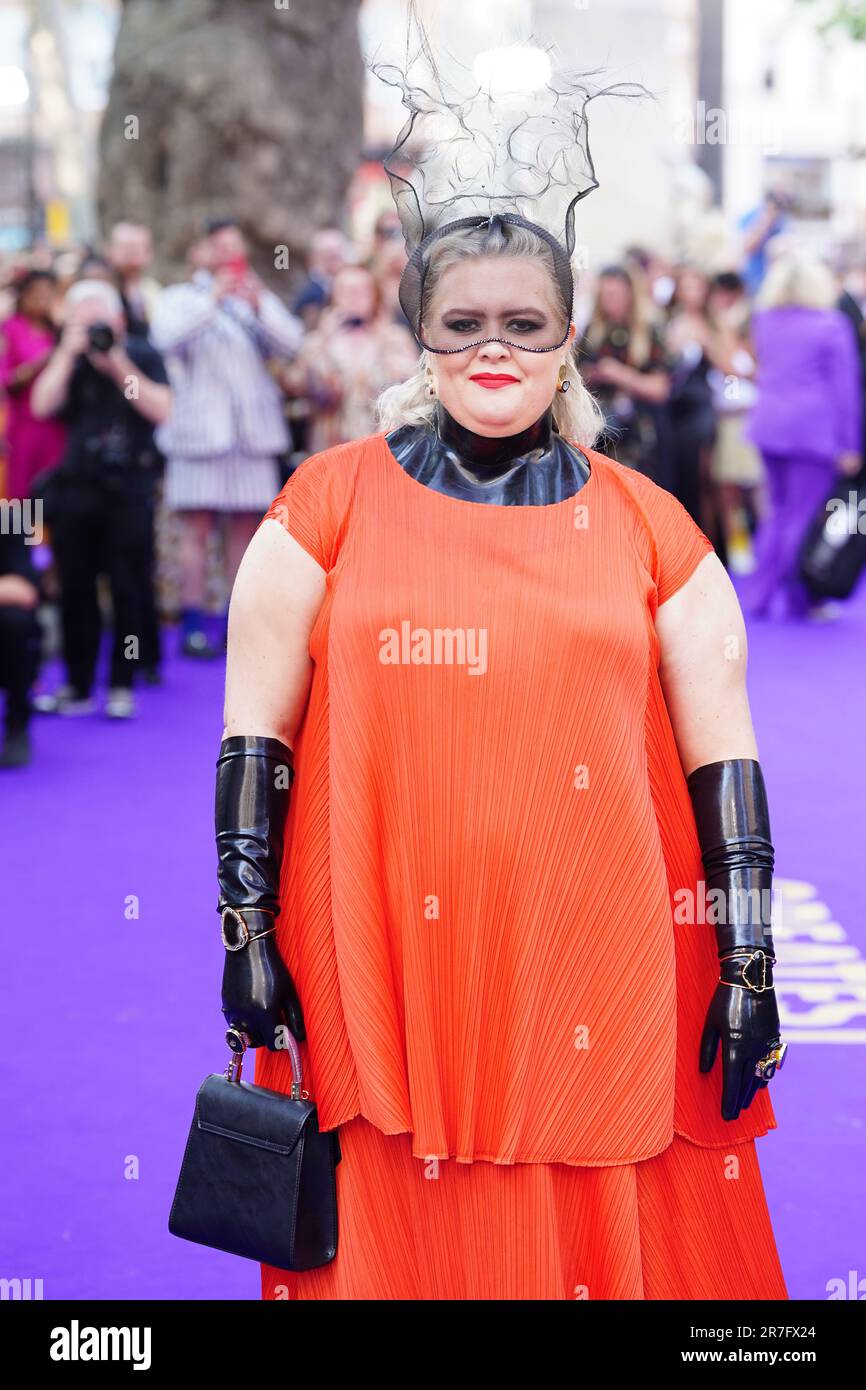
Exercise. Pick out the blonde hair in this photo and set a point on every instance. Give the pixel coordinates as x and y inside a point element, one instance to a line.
<point>576,414</point>
<point>642,315</point>
<point>798,279</point>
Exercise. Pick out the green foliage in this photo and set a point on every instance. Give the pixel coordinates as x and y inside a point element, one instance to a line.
<point>846,15</point>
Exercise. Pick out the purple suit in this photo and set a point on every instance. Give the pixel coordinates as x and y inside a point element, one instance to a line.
<point>808,412</point>
<point>809,384</point>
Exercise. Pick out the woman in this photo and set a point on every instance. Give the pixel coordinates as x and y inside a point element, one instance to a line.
<point>479,737</point>
<point>348,360</point>
<point>736,470</point>
<point>218,333</point>
<point>624,362</point>
<point>29,339</point>
<point>807,422</point>
<point>689,340</point>
<point>387,266</point>
<point>492,657</point>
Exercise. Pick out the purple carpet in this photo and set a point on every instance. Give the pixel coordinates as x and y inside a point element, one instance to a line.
<point>113,966</point>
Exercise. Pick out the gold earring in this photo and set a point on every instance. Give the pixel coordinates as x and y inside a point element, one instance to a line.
<point>430,386</point>
<point>562,384</point>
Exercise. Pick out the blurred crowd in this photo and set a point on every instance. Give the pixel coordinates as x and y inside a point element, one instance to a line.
<point>145,429</point>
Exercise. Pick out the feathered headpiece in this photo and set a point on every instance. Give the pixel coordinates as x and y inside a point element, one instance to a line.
<point>493,150</point>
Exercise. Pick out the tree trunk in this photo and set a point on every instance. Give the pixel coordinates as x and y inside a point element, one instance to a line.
<point>225,108</point>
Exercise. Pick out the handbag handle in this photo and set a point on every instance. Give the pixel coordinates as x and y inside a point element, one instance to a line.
<point>238,1043</point>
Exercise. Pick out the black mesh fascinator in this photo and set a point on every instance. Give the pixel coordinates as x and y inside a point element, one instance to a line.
<point>476,154</point>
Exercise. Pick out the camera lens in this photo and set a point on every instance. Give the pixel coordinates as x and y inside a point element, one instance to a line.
<point>100,337</point>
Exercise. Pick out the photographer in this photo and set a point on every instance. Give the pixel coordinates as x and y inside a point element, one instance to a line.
<point>757,229</point>
<point>110,388</point>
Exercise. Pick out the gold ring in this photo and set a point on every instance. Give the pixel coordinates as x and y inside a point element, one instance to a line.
<point>769,1065</point>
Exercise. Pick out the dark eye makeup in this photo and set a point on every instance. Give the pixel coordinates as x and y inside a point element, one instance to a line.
<point>467,324</point>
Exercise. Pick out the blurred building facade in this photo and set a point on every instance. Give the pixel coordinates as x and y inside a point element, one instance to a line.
<point>799,99</point>
<point>638,162</point>
<point>746,96</point>
<point>54,73</point>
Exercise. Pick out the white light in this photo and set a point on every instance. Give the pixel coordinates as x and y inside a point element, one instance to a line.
<point>518,68</point>
<point>14,90</point>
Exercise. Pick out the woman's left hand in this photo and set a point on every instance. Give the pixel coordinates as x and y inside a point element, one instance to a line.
<point>114,364</point>
<point>746,1023</point>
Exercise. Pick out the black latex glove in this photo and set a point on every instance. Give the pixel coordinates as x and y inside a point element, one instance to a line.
<point>259,995</point>
<point>747,1026</point>
<point>251,805</point>
<point>733,824</point>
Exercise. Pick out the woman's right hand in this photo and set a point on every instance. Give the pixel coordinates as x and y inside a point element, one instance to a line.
<point>259,995</point>
<point>849,463</point>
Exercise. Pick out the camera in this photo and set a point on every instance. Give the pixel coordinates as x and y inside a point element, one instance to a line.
<point>100,337</point>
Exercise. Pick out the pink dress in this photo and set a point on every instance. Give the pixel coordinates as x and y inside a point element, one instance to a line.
<point>31,445</point>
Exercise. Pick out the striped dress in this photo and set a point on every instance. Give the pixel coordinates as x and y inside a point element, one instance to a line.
<point>488,833</point>
<point>227,425</point>
<point>232,482</point>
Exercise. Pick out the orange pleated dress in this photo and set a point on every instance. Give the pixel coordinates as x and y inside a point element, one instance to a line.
<point>489,844</point>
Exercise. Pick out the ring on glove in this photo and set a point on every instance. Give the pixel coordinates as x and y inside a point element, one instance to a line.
<point>769,1065</point>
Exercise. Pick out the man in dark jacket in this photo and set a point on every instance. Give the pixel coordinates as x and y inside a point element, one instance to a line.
<point>20,642</point>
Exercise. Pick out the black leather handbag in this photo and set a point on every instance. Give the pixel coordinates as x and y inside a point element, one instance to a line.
<point>833,553</point>
<point>258,1177</point>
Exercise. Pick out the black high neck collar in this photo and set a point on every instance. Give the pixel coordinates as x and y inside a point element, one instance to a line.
<point>488,452</point>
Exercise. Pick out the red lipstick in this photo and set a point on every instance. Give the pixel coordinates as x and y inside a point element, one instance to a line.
<point>492,381</point>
